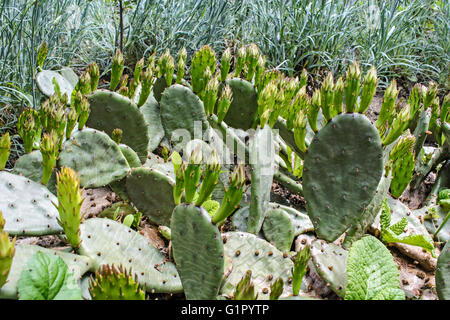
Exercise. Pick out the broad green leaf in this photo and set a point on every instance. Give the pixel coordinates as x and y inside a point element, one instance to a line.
<point>46,277</point>
<point>385,219</point>
<point>397,228</point>
<point>418,240</point>
<point>391,294</point>
<point>371,271</point>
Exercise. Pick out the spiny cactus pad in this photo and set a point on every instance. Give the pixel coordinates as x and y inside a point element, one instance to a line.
<point>131,156</point>
<point>27,206</point>
<point>443,274</point>
<point>182,109</point>
<point>30,166</point>
<point>198,252</point>
<point>342,169</point>
<point>111,110</point>
<point>95,156</point>
<point>151,113</point>
<point>45,83</point>
<point>244,106</point>
<point>267,263</point>
<point>300,220</point>
<point>152,193</point>
<point>278,229</point>
<point>79,265</point>
<point>106,242</point>
<point>330,262</point>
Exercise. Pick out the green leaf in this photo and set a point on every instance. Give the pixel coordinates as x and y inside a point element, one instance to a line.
<point>418,240</point>
<point>391,294</point>
<point>212,206</point>
<point>47,277</point>
<point>385,219</point>
<point>371,271</point>
<point>397,228</point>
<point>299,270</point>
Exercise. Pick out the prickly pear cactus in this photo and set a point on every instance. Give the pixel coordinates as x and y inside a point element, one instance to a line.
<point>78,265</point>
<point>330,262</point>
<point>182,109</point>
<point>44,80</point>
<point>106,241</point>
<point>131,156</point>
<point>278,229</point>
<point>111,110</point>
<point>267,263</point>
<point>244,107</point>
<point>30,166</point>
<point>152,193</point>
<point>347,148</point>
<point>150,111</point>
<point>111,283</point>
<point>195,239</point>
<point>95,156</point>
<point>443,274</point>
<point>27,206</point>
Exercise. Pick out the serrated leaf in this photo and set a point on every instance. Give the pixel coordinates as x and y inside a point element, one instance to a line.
<point>391,294</point>
<point>397,228</point>
<point>47,277</point>
<point>371,271</point>
<point>385,218</point>
<point>418,240</point>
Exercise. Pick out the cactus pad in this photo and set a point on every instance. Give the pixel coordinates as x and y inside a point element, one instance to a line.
<point>342,169</point>
<point>278,229</point>
<point>111,110</point>
<point>27,206</point>
<point>44,80</point>
<point>198,252</point>
<point>330,262</point>
<point>443,274</point>
<point>152,193</point>
<point>131,156</point>
<point>267,263</point>
<point>244,106</point>
<point>106,242</point>
<point>79,265</point>
<point>151,113</point>
<point>182,109</point>
<point>95,156</point>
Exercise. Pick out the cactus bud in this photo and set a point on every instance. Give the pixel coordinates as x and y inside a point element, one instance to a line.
<point>388,104</point>
<point>5,150</point>
<point>72,118</point>
<point>245,290</point>
<point>313,110</point>
<point>124,91</point>
<point>226,97</point>
<point>203,59</point>
<point>137,71</point>
<point>252,55</point>
<point>210,178</point>
<point>326,96</point>
<point>146,86</point>
<point>165,232</point>
<point>192,174</point>
<point>338,97</point>
<point>225,64</point>
<point>2,222</point>
<point>50,152</point>
<point>116,70</point>
<point>117,135</point>
<point>210,95</point>
<point>181,64</point>
<point>85,83</point>
<point>240,61</point>
<point>299,270</point>
<point>398,126</point>
<point>69,204</point>
<point>29,128</point>
<point>7,250</point>
<point>94,74</point>
<point>429,94</point>
<point>85,110</point>
<point>352,86</point>
<point>260,68</point>
<point>300,130</point>
<point>303,79</point>
<point>179,185</point>
<point>276,289</point>
<point>368,90</point>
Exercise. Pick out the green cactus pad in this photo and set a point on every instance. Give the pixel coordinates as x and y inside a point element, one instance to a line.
<point>262,158</point>
<point>300,220</point>
<point>267,263</point>
<point>181,109</point>
<point>278,229</point>
<point>45,84</point>
<point>158,88</point>
<point>79,265</point>
<point>95,156</point>
<point>244,107</point>
<point>330,262</point>
<point>131,156</point>
<point>370,212</point>
<point>152,193</point>
<point>342,169</point>
<point>30,166</point>
<point>109,242</point>
<point>111,110</point>
<point>151,113</point>
<point>124,210</point>
<point>27,206</point>
<point>443,274</point>
<point>198,252</point>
